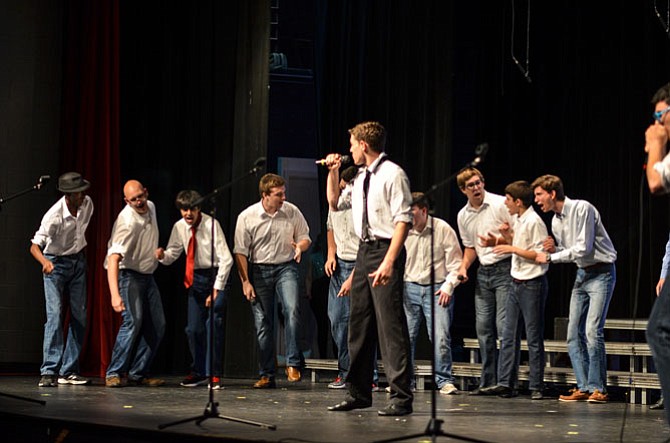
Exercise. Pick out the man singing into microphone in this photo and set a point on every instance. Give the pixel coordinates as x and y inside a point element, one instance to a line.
<point>58,245</point>
<point>382,213</point>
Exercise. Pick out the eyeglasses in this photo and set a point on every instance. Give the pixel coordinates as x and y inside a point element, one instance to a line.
<point>473,185</point>
<point>658,115</point>
<point>138,198</point>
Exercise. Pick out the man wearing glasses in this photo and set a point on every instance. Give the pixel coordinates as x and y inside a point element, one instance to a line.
<point>482,215</point>
<point>272,235</point>
<point>658,178</point>
<point>130,265</point>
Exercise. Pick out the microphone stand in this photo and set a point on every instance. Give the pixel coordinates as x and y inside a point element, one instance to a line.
<point>211,409</point>
<point>434,427</point>
<point>43,180</point>
<point>40,184</point>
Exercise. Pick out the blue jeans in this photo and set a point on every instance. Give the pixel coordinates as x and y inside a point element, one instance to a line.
<point>589,302</point>
<point>491,292</point>
<point>658,336</point>
<point>68,277</point>
<point>142,327</point>
<point>338,314</point>
<point>197,326</point>
<point>525,305</point>
<point>276,284</point>
<point>417,301</point>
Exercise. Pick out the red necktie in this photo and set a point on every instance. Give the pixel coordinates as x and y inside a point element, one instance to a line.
<point>190,259</point>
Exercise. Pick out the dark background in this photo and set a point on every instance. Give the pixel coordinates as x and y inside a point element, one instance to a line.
<point>181,95</point>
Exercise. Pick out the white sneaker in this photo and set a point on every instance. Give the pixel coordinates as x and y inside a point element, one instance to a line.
<point>448,389</point>
<point>73,379</point>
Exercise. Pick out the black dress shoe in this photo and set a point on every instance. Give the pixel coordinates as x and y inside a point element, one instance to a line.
<point>348,405</point>
<point>488,390</point>
<point>658,405</point>
<point>394,410</point>
<point>502,391</point>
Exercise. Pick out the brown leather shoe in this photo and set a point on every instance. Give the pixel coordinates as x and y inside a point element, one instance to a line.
<point>293,374</point>
<point>265,382</point>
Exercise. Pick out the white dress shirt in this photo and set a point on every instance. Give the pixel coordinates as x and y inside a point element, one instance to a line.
<point>389,199</point>
<point>581,236</point>
<point>180,238</point>
<point>447,251</point>
<point>62,233</point>
<point>482,221</point>
<point>663,168</point>
<point>135,238</point>
<point>530,232</point>
<point>346,240</point>
<point>266,239</point>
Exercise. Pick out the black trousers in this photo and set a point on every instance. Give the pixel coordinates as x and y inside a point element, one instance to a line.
<point>378,312</point>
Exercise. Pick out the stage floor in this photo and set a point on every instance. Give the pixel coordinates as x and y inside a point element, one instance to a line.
<point>133,414</point>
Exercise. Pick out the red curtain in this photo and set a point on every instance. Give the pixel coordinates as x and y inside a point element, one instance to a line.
<point>90,145</point>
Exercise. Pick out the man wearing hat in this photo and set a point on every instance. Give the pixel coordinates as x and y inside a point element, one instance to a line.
<point>58,245</point>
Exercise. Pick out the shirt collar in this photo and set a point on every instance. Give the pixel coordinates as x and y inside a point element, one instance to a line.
<point>567,208</point>
<point>65,209</point>
<point>374,166</point>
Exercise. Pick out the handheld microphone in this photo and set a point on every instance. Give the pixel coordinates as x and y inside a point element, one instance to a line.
<point>344,160</point>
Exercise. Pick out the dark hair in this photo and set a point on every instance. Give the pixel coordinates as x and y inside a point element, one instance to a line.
<point>372,133</point>
<point>420,200</point>
<point>550,183</point>
<point>185,199</point>
<point>662,95</point>
<point>348,174</point>
<point>521,190</point>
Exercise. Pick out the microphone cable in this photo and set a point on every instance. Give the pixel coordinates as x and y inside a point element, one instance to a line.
<point>636,294</point>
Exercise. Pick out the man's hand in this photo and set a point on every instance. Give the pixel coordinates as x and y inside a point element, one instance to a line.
<point>248,291</point>
<point>47,267</point>
<point>382,275</point>
<point>659,286</point>
<point>541,258</point>
<point>656,138</point>
<point>297,252</point>
<point>345,289</point>
<point>444,298</point>
<point>159,253</point>
<point>117,303</point>
<point>549,245</point>
<point>462,275</point>
<point>331,265</point>
<point>487,240</point>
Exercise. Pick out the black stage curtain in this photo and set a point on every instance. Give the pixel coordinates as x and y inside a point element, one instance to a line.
<point>440,76</point>
<point>194,105</point>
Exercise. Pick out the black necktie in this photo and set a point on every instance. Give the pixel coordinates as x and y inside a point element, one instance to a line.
<point>366,187</point>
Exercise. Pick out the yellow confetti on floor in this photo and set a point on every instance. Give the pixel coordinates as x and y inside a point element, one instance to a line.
<point>127,407</point>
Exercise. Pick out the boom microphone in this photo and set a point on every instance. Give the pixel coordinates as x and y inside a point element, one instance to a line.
<point>344,160</point>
